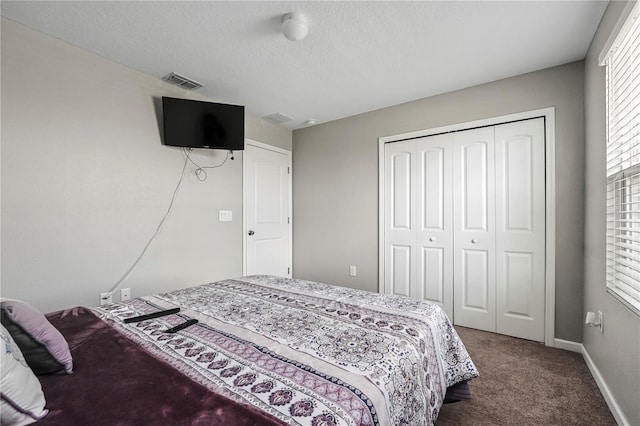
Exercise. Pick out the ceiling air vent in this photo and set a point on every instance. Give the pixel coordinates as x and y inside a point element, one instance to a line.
<point>181,81</point>
<point>277,118</point>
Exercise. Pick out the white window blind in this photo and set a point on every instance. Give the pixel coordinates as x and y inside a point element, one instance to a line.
<point>623,162</point>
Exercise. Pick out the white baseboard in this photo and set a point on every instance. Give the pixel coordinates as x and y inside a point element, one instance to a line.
<point>568,345</point>
<point>595,373</point>
<point>604,389</point>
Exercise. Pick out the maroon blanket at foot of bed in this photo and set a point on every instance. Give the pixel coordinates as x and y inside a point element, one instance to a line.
<point>115,382</point>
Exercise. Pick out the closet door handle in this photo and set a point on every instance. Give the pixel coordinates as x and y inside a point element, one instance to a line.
<point>474,241</point>
<point>250,232</point>
<point>431,239</point>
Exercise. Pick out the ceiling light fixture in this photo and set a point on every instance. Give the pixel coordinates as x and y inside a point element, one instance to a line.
<point>294,26</point>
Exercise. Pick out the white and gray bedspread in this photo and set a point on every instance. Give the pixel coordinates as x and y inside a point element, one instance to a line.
<point>305,352</point>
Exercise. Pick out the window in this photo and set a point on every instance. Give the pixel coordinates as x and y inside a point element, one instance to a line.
<point>622,59</point>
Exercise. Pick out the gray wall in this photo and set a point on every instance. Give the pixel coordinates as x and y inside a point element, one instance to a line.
<point>616,352</point>
<point>335,174</point>
<point>85,180</point>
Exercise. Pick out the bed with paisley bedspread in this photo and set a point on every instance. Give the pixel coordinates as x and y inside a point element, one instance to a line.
<point>265,350</point>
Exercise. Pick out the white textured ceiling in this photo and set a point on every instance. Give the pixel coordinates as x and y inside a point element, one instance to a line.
<point>359,56</point>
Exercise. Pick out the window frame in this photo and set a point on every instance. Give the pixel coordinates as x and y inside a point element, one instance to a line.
<point>623,173</point>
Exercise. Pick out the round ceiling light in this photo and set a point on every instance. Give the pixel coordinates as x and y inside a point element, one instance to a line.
<point>294,26</point>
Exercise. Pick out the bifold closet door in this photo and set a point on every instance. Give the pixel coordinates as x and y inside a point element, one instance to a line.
<point>499,229</point>
<point>474,276</point>
<point>520,229</point>
<point>465,225</point>
<point>418,234</point>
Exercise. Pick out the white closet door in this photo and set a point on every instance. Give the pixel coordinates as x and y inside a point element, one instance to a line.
<point>434,234</point>
<point>520,229</point>
<point>474,231</point>
<point>400,269</point>
<point>465,225</point>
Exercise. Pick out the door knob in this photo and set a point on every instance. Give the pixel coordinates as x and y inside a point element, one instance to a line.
<point>431,239</point>
<point>474,241</point>
<point>250,232</point>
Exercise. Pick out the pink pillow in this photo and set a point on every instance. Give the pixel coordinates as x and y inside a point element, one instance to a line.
<point>44,348</point>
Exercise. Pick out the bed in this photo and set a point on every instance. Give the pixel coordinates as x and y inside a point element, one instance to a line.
<point>265,351</point>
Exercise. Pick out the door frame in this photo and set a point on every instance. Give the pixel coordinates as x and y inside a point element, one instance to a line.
<point>549,114</point>
<point>261,145</point>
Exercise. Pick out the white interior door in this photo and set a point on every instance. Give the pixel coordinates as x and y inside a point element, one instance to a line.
<point>474,230</point>
<point>267,210</point>
<point>434,233</point>
<point>520,229</point>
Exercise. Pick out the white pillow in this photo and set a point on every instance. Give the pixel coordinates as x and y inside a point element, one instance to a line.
<point>22,401</point>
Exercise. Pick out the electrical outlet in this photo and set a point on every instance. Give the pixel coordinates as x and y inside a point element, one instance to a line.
<point>125,294</point>
<point>352,270</point>
<point>601,320</point>
<point>106,298</point>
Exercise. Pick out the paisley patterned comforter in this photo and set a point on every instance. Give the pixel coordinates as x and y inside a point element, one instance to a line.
<point>307,353</point>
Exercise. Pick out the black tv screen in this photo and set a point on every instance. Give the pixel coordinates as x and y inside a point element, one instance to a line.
<point>198,124</point>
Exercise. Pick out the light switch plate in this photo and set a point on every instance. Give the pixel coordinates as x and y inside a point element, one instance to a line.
<point>226,215</point>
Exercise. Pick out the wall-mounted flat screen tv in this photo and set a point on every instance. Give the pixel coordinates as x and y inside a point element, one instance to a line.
<point>198,124</point>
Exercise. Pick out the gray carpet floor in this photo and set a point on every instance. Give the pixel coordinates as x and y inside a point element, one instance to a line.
<point>525,383</point>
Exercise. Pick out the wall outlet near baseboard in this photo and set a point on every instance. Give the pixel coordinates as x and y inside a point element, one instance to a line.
<point>125,294</point>
<point>106,298</point>
<point>601,320</point>
<point>352,271</point>
<point>594,320</point>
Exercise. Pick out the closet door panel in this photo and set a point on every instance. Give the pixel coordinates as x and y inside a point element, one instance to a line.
<point>400,191</point>
<point>474,231</point>
<point>520,227</point>
<point>474,185</point>
<point>518,274</point>
<point>475,280</point>
<point>401,269</point>
<point>432,276</point>
<point>400,220</point>
<point>434,235</point>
